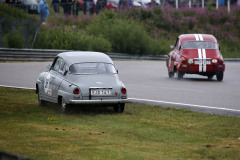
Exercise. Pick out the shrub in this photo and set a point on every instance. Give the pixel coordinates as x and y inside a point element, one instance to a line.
<point>99,44</point>
<point>14,40</point>
<point>69,39</point>
<point>125,36</point>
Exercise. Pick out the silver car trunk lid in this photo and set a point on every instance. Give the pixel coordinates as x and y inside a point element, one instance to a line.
<point>87,82</point>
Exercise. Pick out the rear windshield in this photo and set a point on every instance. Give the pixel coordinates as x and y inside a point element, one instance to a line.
<point>92,68</point>
<point>199,45</point>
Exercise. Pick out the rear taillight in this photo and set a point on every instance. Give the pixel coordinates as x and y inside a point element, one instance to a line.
<point>220,61</point>
<point>124,91</point>
<point>184,60</point>
<point>76,91</point>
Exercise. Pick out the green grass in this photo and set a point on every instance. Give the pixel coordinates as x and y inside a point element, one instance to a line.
<point>141,132</point>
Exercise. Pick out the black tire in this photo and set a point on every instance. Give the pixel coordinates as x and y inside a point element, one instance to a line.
<point>170,74</point>
<point>210,77</point>
<point>180,75</point>
<point>119,108</point>
<point>40,101</point>
<point>219,75</point>
<point>65,106</point>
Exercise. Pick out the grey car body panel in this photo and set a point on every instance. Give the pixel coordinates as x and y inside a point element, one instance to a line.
<point>83,57</point>
<point>97,81</point>
<point>52,84</point>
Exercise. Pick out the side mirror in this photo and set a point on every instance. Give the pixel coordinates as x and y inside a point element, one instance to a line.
<point>49,67</point>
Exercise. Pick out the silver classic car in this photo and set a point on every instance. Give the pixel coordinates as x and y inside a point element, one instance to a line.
<point>82,78</point>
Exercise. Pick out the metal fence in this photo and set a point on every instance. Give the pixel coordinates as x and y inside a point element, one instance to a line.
<point>74,7</point>
<point>19,31</point>
<point>202,3</point>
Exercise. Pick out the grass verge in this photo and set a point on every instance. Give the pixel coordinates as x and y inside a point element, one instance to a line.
<point>141,132</point>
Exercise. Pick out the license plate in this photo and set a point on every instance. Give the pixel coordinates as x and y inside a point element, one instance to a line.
<point>97,92</point>
<point>202,62</point>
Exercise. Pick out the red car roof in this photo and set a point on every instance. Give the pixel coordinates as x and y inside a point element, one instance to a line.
<point>197,37</point>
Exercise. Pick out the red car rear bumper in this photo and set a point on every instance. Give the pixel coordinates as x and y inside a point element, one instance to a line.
<point>187,68</point>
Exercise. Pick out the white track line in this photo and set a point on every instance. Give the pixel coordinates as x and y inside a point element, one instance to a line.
<point>183,104</point>
<point>153,101</point>
<point>16,87</point>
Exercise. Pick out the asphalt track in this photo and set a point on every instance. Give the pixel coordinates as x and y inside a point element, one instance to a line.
<point>148,82</point>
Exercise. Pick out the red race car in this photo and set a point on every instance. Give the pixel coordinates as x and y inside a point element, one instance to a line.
<point>196,54</point>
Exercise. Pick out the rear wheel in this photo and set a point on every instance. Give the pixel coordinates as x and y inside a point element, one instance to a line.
<point>65,106</point>
<point>119,108</point>
<point>180,74</point>
<point>219,75</point>
<point>170,74</point>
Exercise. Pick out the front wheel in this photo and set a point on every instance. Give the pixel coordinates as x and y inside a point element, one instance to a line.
<point>219,75</point>
<point>180,75</point>
<point>170,74</point>
<point>40,101</point>
<point>119,108</point>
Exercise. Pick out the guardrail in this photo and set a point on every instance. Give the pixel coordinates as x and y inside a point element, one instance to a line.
<point>12,54</point>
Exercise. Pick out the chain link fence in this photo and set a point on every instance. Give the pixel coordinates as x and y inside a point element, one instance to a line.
<point>18,32</point>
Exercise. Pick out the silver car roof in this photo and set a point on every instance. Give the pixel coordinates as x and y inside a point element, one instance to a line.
<point>84,56</point>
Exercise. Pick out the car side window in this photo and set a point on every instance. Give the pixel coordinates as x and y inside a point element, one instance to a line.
<point>62,68</point>
<point>57,64</point>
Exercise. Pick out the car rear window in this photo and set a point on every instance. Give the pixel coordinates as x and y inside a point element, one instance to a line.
<point>199,45</point>
<point>92,68</point>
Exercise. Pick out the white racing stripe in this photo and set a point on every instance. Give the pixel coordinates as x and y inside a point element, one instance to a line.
<point>200,37</point>
<point>196,36</point>
<point>201,55</point>
<point>200,58</point>
<point>204,60</point>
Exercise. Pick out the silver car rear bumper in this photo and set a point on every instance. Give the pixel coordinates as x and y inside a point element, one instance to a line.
<point>104,101</point>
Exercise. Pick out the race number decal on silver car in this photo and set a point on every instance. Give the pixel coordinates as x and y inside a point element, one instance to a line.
<point>46,84</point>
